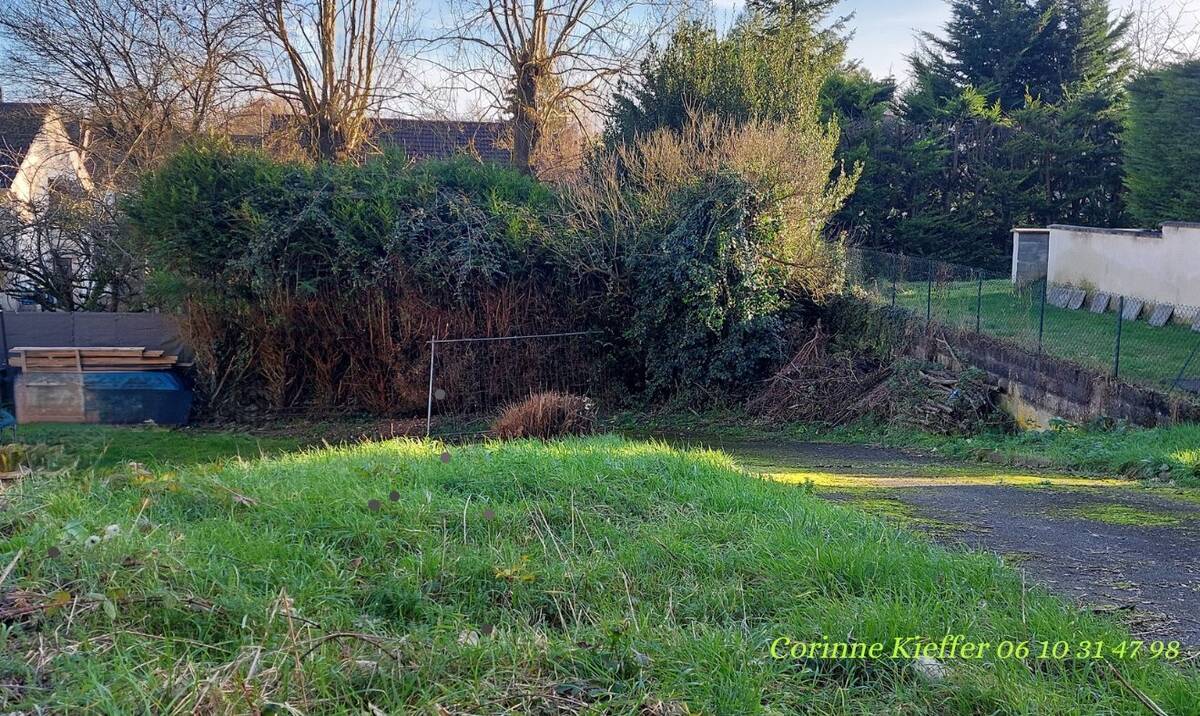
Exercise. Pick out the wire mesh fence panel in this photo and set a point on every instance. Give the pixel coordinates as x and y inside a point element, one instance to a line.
<point>1078,327</point>
<point>1138,341</point>
<point>473,379</point>
<point>872,273</point>
<point>1159,348</point>
<point>1012,312</point>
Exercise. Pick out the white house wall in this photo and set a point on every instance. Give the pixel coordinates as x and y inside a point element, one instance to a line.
<point>1159,267</point>
<point>51,155</point>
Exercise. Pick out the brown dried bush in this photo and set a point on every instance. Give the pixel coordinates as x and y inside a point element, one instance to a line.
<point>819,385</point>
<point>546,415</point>
<point>367,351</point>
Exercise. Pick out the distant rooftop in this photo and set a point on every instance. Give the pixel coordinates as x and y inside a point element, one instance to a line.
<point>430,138</point>
<point>441,138</point>
<point>20,123</point>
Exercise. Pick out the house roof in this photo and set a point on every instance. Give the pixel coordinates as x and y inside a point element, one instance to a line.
<point>20,123</point>
<point>428,138</point>
<point>440,138</point>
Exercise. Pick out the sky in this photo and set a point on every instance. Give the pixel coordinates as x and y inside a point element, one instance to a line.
<point>884,30</point>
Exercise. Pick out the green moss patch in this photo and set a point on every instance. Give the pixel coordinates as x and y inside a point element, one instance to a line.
<point>1123,515</point>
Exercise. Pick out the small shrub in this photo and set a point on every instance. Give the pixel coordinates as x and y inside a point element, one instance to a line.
<point>546,415</point>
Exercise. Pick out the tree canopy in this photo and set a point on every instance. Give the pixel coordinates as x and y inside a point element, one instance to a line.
<point>1161,151</point>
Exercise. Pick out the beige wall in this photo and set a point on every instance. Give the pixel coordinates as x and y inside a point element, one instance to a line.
<point>1159,267</point>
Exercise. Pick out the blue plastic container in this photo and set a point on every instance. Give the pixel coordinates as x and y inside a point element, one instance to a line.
<point>117,398</point>
<point>136,396</point>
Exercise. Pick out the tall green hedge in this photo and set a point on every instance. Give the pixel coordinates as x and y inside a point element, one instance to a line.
<point>1162,145</point>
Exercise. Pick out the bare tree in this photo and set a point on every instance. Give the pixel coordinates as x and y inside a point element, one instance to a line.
<point>1162,32</point>
<point>542,60</point>
<point>67,252</point>
<point>140,75</point>
<point>335,62</point>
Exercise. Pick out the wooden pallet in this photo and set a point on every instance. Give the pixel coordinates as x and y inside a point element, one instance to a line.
<point>89,360</point>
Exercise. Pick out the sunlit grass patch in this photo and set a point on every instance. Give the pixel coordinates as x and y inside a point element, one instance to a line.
<point>933,477</point>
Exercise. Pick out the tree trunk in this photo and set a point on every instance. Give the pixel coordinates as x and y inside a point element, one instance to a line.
<point>526,124</point>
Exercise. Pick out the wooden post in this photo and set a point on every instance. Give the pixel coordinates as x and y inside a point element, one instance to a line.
<point>1042,314</point>
<point>979,303</point>
<point>929,298</point>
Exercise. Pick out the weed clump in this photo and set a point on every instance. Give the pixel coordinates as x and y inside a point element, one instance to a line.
<point>546,415</point>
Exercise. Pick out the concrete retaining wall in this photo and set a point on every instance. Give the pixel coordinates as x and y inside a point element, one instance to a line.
<point>1040,387</point>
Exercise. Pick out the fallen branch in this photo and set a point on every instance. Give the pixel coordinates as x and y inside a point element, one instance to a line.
<point>1137,693</point>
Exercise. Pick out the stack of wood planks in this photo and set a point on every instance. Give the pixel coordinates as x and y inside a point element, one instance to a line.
<point>89,360</point>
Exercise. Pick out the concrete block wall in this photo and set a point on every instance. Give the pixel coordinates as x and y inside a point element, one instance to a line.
<point>1040,387</point>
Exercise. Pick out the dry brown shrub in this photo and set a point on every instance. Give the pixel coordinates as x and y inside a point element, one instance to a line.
<point>628,189</point>
<point>817,385</point>
<point>368,351</point>
<point>546,415</point>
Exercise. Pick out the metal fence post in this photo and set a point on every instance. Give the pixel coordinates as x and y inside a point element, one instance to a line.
<point>1187,364</point>
<point>1117,350</point>
<point>429,402</point>
<point>895,276</point>
<point>1042,314</point>
<point>929,297</point>
<point>979,302</point>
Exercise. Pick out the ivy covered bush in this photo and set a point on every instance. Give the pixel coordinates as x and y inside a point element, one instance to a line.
<point>216,219</point>
<point>319,285</point>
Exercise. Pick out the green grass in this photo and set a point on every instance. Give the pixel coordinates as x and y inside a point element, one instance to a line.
<point>105,447</point>
<point>1124,515</point>
<point>1153,356</point>
<point>590,575</point>
<point>1171,452</point>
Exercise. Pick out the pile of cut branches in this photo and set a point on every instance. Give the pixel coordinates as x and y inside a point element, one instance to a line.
<point>822,386</point>
<point>929,397</point>
<point>817,385</point>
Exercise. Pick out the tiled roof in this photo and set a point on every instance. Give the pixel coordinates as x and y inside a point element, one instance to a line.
<point>439,138</point>
<point>20,123</point>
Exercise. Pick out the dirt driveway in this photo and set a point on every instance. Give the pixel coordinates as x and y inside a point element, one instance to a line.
<point>1112,546</point>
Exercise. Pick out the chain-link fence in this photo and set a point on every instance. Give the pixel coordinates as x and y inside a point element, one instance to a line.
<point>1139,341</point>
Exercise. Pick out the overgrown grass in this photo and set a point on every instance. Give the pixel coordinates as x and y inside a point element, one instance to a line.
<point>103,448</point>
<point>586,575</point>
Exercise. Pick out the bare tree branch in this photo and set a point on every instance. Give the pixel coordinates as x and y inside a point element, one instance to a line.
<point>546,61</point>
<point>1163,32</point>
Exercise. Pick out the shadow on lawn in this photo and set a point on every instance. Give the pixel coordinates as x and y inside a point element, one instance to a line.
<point>105,447</point>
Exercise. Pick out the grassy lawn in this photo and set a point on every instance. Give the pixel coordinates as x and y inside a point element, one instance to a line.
<point>1172,452</point>
<point>1153,356</point>
<point>1123,451</point>
<point>591,575</point>
<point>103,448</point>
